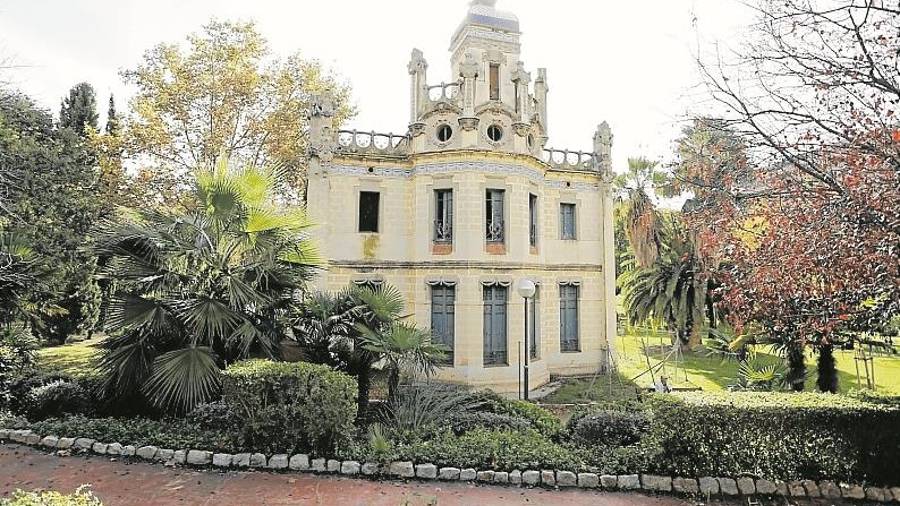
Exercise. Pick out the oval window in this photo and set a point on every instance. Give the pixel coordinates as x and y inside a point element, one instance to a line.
<point>495,133</point>
<point>444,133</point>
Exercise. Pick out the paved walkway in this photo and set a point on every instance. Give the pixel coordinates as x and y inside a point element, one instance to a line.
<point>126,484</point>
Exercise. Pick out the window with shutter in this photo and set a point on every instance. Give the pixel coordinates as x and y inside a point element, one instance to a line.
<point>567,221</point>
<point>532,220</point>
<point>495,350</point>
<point>568,318</point>
<point>443,216</point>
<point>443,318</point>
<point>495,228</point>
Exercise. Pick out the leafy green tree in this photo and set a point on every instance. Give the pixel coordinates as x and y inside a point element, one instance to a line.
<point>51,202</point>
<point>79,109</point>
<point>222,93</point>
<point>198,289</point>
<point>112,118</point>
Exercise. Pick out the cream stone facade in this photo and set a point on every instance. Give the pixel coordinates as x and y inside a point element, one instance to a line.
<point>469,202</point>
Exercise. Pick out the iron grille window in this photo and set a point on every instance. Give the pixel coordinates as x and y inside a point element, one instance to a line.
<point>568,318</point>
<point>443,318</point>
<point>443,216</point>
<point>495,351</point>
<point>368,211</point>
<point>567,221</point>
<point>532,219</point>
<point>494,214</point>
<point>534,322</point>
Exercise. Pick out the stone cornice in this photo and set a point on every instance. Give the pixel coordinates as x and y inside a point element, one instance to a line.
<point>464,265</point>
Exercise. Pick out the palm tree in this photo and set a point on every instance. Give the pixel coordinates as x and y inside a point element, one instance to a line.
<point>671,289</point>
<point>356,329</point>
<point>641,220</point>
<point>196,290</point>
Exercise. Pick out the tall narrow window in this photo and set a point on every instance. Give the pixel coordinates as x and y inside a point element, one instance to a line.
<point>495,81</point>
<point>534,325</point>
<point>495,229</point>
<point>368,211</point>
<point>495,325</point>
<point>443,216</point>
<point>567,221</point>
<point>532,220</point>
<point>443,318</point>
<point>568,318</point>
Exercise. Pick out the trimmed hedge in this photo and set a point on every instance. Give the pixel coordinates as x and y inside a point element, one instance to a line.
<point>608,428</point>
<point>777,436</point>
<point>291,407</point>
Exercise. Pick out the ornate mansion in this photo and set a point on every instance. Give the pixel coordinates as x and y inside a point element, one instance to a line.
<point>466,205</point>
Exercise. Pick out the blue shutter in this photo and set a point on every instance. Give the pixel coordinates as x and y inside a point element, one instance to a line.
<point>568,317</point>
<point>495,351</point>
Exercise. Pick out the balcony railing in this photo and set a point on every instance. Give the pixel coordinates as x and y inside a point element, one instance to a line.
<point>443,231</point>
<point>495,231</point>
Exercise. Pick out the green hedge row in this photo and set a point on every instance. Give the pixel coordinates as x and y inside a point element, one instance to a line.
<point>776,435</point>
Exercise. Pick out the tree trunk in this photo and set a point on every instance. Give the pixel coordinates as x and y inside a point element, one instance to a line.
<point>796,367</point>
<point>364,379</point>
<point>827,380</point>
<point>393,382</point>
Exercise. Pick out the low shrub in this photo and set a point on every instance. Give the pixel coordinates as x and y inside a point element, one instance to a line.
<point>608,428</point>
<point>777,436</point>
<point>167,433</point>
<point>81,497</point>
<point>537,417</point>
<point>464,422</point>
<point>286,407</point>
<point>57,398</point>
<point>493,449</point>
<point>17,349</point>
<point>214,416</point>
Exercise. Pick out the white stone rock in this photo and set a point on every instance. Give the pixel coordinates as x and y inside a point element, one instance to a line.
<point>467,474</point>
<point>501,477</point>
<point>656,483</point>
<point>448,473</point>
<point>812,488</point>
<point>566,479</point>
<point>370,468</point>
<point>164,455</point>
<point>222,459</point>
<point>608,481</point>
<point>767,487</point>
<point>685,485</point>
<point>709,486</point>
<point>333,466</point>
<point>781,488</point>
<point>531,478</point>
<point>876,494</point>
<point>113,449</point>
<point>299,462</point>
<point>828,489</point>
<point>728,486</point>
<point>199,457</point>
<point>402,469</point>
<point>588,480</point>
<point>65,443</point>
<point>796,489</point>
<point>515,477</point>
<point>4,433</point>
<point>147,452</point>
<point>257,460</point>
<point>318,465</point>
<point>179,457</point>
<point>548,478</point>
<point>895,491</point>
<point>50,441</point>
<point>629,482</point>
<point>241,460</point>
<point>350,467</point>
<point>83,443</point>
<point>279,461</point>
<point>485,476</point>
<point>852,491</point>
<point>427,471</point>
<point>129,451</point>
<point>746,486</point>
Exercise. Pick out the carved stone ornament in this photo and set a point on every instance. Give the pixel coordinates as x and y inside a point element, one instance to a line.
<point>468,124</point>
<point>417,129</point>
<point>323,150</point>
<point>417,62</point>
<point>468,69</point>
<point>522,129</point>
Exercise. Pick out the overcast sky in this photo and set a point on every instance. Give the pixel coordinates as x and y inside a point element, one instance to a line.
<point>627,62</point>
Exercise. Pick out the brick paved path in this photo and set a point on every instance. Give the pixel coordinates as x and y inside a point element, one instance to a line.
<point>127,484</point>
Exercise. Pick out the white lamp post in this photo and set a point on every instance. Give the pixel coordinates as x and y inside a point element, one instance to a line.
<point>526,290</point>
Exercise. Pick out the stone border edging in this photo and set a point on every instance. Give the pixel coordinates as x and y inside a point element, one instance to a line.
<point>743,486</point>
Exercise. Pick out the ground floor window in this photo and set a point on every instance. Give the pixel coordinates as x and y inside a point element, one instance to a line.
<point>443,317</point>
<point>568,318</point>
<point>495,350</point>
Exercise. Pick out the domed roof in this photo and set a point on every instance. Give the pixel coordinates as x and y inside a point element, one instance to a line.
<point>484,13</point>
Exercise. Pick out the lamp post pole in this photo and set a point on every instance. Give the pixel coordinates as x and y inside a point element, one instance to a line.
<point>526,290</point>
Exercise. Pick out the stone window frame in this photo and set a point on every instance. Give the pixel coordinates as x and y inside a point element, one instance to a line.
<point>445,283</point>
<point>442,183</point>
<point>507,285</point>
<point>569,197</point>
<point>579,295</point>
<point>369,186</point>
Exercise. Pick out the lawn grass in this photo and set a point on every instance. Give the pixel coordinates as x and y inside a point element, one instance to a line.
<point>703,371</point>
<point>76,359</point>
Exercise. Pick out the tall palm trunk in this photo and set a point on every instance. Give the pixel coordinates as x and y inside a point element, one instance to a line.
<point>796,367</point>
<point>364,380</point>
<point>827,380</point>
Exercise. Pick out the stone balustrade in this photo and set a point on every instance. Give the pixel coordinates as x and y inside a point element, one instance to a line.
<point>375,143</point>
<point>565,159</point>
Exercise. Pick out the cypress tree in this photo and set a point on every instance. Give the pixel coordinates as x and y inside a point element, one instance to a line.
<point>112,119</point>
<point>79,109</point>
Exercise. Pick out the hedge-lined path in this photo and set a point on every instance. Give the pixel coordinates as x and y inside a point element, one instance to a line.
<point>143,484</point>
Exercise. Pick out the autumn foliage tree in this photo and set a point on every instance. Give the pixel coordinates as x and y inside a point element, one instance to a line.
<point>797,183</point>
